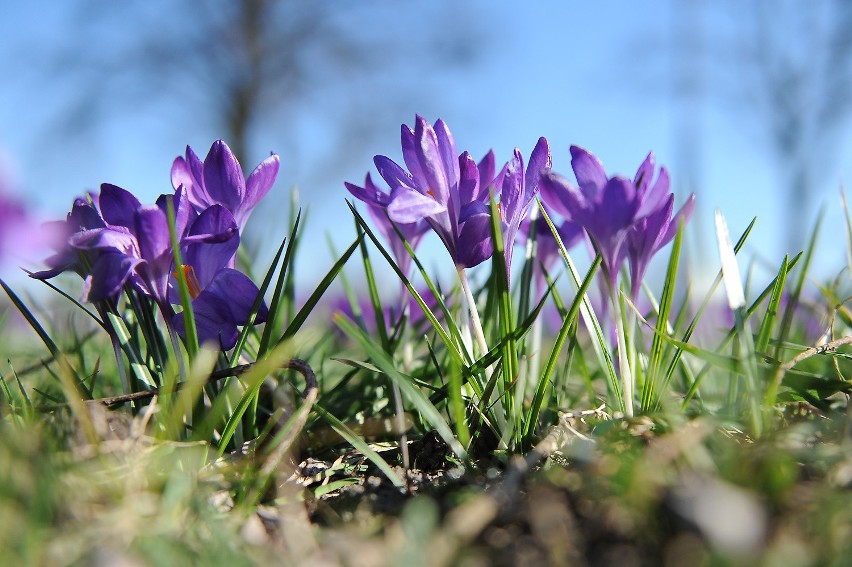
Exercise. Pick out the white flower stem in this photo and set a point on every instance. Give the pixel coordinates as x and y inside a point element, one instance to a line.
<point>625,368</point>
<point>476,323</point>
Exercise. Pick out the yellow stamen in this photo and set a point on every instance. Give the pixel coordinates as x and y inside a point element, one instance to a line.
<point>191,280</point>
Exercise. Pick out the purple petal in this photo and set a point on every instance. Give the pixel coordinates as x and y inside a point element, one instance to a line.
<point>589,172</point>
<point>645,173</point>
<point>369,193</point>
<point>684,213</point>
<point>563,196</point>
<point>223,176</point>
<point>434,180</point>
<point>109,273</point>
<point>393,174</point>
<point>474,244</point>
<point>486,167</point>
<point>116,238</point>
<point>207,258</point>
<point>655,197</point>
<point>258,184</point>
<point>409,153</point>
<point>468,179</point>
<point>181,174</point>
<point>152,232</point>
<point>118,205</point>
<point>449,155</point>
<point>540,161</point>
<point>223,305</point>
<point>409,206</point>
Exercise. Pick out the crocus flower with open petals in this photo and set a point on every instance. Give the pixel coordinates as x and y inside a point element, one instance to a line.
<point>220,180</point>
<point>656,228</point>
<point>607,207</point>
<point>443,188</point>
<point>222,297</point>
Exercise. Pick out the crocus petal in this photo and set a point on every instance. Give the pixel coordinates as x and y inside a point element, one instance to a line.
<point>223,305</point>
<point>654,198</point>
<point>468,179</point>
<point>258,184</point>
<point>645,173</point>
<point>619,196</point>
<point>409,206</point>
<point>474,244</point>
<point>486,167</point>
<point>109,273</point>
<point>392,173</point>
<point>117,238</point>
<point>409,153</point>
<point>589,172</point>
<point>208,258</point>
<point>434,180</point>
<point>540,161</point>
<point>223,176</point>
<point>449,155</point>
<point>181,175</point>
<point>118,205</point>
<point>684,213</point>
<point>152,232</point>
<point>563,196</point>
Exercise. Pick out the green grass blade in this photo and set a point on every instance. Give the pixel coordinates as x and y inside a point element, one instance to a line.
<point>312,301</point>
<point>655,384</point>
<point>420,401</point>
<point>568,321</point>
<point>241,340</point>
<point>358,443</point>
<point>275,306</point>
<point>190,332</point>
<point>599,342</point>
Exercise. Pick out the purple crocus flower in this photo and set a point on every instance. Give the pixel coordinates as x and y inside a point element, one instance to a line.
<point>220,180</point>
<point>606,207</point>
<point>134,244</point>
<point>518,189</point>
<point>222,297</point>
<point>657,227</point>
<point>445,189</point>
<point>377,203</point>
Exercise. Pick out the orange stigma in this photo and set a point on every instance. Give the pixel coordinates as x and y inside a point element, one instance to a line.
<point>191,280</point>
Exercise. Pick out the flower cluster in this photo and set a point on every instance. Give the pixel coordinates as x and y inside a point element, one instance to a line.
<point>449,192</point>
<point>115,242</point>
<point>624,219</point>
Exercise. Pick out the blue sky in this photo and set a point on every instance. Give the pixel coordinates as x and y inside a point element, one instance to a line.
<point>599,75</point>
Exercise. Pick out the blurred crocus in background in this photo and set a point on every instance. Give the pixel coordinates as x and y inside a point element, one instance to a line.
<point>22,238</point>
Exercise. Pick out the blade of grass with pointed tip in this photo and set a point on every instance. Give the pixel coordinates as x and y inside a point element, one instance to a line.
<point>275,307</point>
<point>243,337</point>
<point>736,301</point>
<point>451,343</point>
<point>506,322</point>
<point>312,301</point>
<point>564,330</point>
<point>599,342</point>
<point>190,331</point>
<point>654,382</point>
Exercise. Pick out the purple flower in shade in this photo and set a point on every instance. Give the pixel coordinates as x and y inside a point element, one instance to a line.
<point>220,180</point>
<point>518,189</point>
<point>377,203</point>
<point>222,297</point>
<point>657,226</point>
<point>447,190</point>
